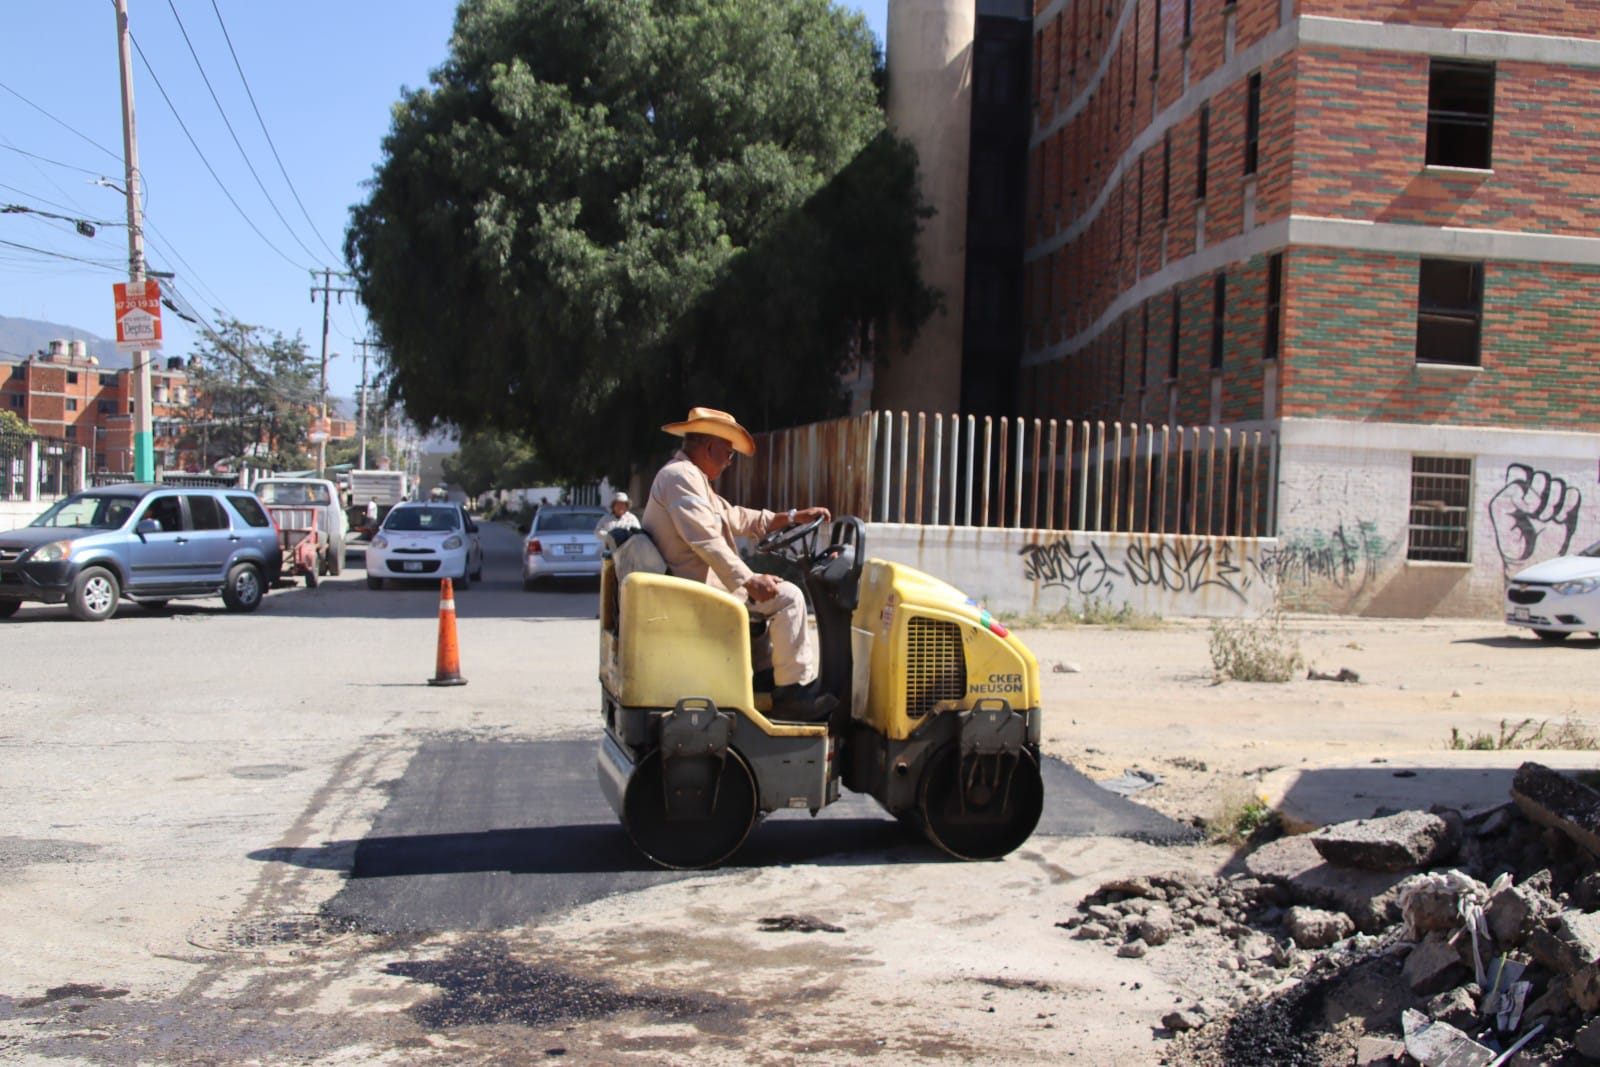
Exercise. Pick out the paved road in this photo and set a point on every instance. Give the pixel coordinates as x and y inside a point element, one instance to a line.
<point>260,824</point>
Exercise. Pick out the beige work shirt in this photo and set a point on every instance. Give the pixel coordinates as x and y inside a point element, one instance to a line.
<point>694,528</point>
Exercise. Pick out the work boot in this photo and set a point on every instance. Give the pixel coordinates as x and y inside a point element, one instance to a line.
<point>804,702</point>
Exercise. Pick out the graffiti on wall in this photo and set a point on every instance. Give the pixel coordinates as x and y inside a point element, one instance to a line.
<point>1534,511</point>
<point>1175,567</point>
<point>1346,557</point>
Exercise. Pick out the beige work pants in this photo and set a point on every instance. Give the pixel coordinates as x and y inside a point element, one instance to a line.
<point>794,652</point>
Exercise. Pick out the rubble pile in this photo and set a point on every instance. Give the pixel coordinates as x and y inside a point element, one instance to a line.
<point>1438,938</point>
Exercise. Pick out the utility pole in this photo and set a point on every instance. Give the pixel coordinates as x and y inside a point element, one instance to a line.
<point>144,456</point>
<point>365,343</point>
<point>327,287</point>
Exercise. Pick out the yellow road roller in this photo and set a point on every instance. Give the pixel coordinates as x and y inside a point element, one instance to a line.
<point>937,718</point>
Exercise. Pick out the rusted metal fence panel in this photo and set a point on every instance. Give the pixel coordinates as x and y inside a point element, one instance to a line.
<point>1015,473</point>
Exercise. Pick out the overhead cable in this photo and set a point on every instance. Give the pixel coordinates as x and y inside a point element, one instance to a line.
<point>212,170</point>
<point>232,133</point>
<point>281,169</point>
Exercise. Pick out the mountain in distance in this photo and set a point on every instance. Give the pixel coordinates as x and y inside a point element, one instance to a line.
<point>21,338</point>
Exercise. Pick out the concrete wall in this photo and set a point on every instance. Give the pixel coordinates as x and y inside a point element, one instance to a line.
<point>1345,505</point>
<point>1044,572</point>
<point>14,513</point>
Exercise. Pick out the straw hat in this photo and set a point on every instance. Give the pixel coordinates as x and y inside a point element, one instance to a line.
<point>717,424</point>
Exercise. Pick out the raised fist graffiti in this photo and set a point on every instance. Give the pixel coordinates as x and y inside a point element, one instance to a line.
<point>1533,506</point>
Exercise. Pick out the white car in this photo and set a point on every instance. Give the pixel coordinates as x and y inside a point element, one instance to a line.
<point>428,541</point>
<point>1557,597</point>
<point>561,543</point>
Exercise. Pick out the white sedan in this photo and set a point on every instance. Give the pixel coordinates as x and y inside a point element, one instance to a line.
<point>428,541</point>
<point>1557,597</point>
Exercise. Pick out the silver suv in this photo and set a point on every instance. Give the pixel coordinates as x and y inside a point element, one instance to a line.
<point>148,543</point>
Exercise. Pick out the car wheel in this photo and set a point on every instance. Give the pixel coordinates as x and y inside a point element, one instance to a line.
<point>93,596</point>
<point>335,559</point>
<point>374,583</point>
<point>9,608</point>
<point>242,591</point>
<point>463,582</point>
<point>1552,636</point>
<point>529,584</point>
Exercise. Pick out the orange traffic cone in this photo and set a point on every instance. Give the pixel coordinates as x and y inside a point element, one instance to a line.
<point>448,668</point>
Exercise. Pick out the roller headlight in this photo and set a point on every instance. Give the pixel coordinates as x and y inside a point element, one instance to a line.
<point>1577,587</point>
<point>54,552</point>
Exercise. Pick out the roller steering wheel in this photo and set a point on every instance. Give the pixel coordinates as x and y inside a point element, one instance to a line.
<point>778,540</point>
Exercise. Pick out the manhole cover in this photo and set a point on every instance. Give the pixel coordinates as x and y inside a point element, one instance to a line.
<point>297,931</point>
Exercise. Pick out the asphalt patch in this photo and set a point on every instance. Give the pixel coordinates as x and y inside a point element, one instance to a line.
<point>486,835</point>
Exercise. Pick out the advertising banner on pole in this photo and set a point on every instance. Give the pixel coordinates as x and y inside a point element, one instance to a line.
<point>138,315</point>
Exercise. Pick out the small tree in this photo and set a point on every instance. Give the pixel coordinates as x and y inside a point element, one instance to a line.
<point>11,424</point>
<point>255,397</point>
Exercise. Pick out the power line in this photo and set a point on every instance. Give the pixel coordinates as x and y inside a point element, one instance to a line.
<point>46,159</point>
<point>63,255</point>
<point>58,122</point>
<point>263,123</point>
<point>149,69</point>
<point>184,30</point>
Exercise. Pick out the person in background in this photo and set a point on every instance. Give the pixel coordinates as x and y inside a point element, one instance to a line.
<point>619,519</point>
<point>371,514</point>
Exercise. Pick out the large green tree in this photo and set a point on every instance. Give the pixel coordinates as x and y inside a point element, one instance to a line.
<point>602,211</point>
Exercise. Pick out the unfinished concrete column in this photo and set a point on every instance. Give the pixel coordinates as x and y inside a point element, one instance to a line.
<point>930,105</point>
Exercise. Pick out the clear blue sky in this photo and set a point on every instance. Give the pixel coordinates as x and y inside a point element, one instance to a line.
<point>322,76</point>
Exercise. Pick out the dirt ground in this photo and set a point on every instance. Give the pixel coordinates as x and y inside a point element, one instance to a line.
<point>1150,700</point>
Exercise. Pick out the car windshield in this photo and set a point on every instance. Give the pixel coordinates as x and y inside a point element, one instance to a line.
<point>425,519</point>
<point>568,521</point>
<point>302,493</point>
<point>89,511</point>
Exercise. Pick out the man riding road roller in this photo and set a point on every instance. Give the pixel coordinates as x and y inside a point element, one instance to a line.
<point>694,530</point>
<point>910,692</point>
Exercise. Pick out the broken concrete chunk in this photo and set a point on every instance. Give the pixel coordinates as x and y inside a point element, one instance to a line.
<point>1378,1051</point>
<point>1587,1040</point>
<point>1316,928</point>
<point>1456,1006</point>
<point>1368,897</point>
<point>1400,842</point>
<point>1584,988</point>
<point>1433,966</point>
<point>1436,901</point>
<point>1133,950</point>
<point>1156,927</point>
<point>1552,799</point>
<point>1183,1019</point>
<point>1134,886</point>
<point>1436,1044</point>
<point>1581,931</point>
<point>1512,912</point>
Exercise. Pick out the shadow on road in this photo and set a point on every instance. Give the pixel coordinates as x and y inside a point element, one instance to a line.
<point>488,834</point>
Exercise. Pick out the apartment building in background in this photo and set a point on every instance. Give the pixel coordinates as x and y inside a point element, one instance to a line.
<point>64,394</point>
<point>1366,229</point>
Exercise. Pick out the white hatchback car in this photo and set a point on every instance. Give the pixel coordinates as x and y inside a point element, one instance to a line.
<point>561,543</point>
<point>428,541</point>
<point>1557,597</point>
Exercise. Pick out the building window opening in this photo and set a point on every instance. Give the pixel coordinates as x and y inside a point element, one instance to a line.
<point>1166,175</point>
<point>1174,341</point>
<point>1204,152</point>
<point>1274,324</point>
<point>1219,313</point>
<point>1449,312</point>
<point>1441,498</point>
<point>1460,114</point>
<point>1252,124</point>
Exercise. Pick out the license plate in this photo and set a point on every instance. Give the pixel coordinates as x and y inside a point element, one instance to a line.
<point>411,565</point>
<point>572,550</point>
<point>1520,613</point>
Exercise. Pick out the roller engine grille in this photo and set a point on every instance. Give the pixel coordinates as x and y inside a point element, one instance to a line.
<point>936,665</point>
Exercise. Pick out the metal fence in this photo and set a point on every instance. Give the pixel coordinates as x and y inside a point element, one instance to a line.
<point>32,466</point>
<point>1016,473</point>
